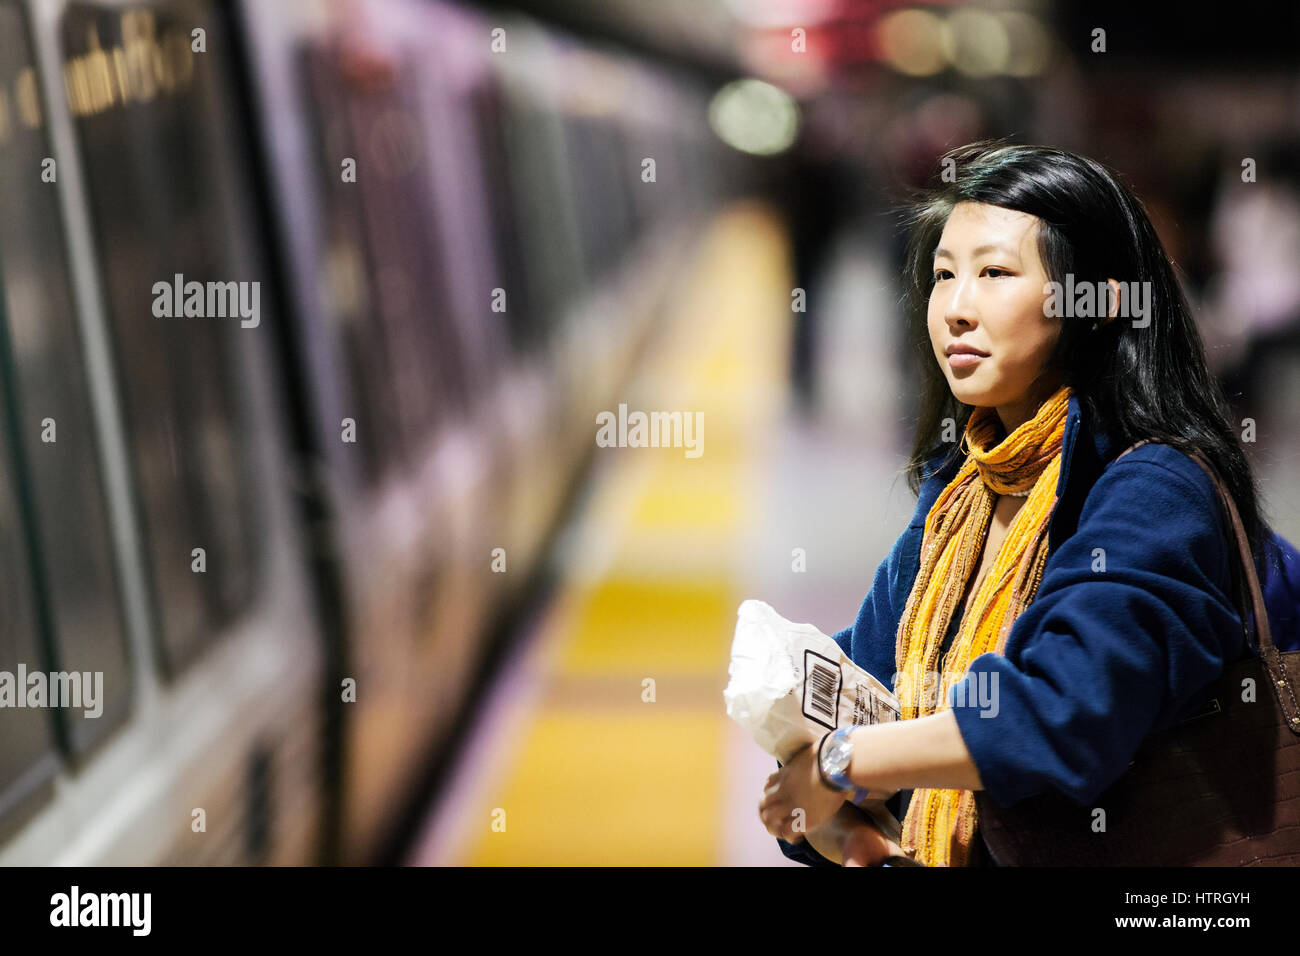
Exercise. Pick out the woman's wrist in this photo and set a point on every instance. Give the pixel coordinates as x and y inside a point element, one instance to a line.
<point>924,752</point>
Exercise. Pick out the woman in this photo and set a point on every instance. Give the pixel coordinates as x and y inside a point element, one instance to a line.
<point>1047,607</point>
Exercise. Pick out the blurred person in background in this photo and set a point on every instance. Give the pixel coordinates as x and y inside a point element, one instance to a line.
<point>1253,300</point>
<point>811,196</point>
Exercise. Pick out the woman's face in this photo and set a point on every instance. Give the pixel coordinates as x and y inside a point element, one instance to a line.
<point>989,296</point>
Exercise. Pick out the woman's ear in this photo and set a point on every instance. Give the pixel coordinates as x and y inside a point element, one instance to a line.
<point>1113,299</point>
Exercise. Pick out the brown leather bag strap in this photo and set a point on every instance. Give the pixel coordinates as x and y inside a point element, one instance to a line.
<point>1268,653</point>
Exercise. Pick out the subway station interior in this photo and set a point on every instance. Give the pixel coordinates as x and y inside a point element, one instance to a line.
<point>328,329</point>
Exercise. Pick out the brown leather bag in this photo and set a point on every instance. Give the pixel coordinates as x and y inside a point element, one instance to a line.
<point>1220,788</point>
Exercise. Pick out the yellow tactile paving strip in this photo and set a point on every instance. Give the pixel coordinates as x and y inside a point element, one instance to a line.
<point>603,776</point>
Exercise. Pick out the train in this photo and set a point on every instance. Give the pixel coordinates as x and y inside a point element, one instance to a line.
<point>308,312</point>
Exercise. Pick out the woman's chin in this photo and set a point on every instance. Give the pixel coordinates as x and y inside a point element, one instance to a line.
<point>964,393</point>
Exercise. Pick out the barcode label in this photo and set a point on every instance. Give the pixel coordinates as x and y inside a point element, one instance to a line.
<point>821,688</point>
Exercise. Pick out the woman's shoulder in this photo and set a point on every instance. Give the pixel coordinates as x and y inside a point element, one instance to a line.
<point>1162,455</point>
<point>1155,466</point>
<point>1160,494</point>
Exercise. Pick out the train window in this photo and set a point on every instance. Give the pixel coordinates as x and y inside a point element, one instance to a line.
<point>541,192</point>
<point>51,399</point>
<point>535,235</point>
<point>160,156</point>
<point>403,250</point>
<point>410,350</point>
<point>27,752</point>
<point>368,394</point>
<point>597,156</point>
<point>487,109</point>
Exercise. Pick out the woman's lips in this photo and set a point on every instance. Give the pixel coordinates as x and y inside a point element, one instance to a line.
<point>965,359</point>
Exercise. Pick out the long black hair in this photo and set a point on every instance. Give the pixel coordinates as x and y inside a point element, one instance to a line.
<point>1132,382</point>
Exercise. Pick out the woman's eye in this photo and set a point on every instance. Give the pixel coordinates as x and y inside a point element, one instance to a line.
<point>995,271</point>
<point>941,274</point>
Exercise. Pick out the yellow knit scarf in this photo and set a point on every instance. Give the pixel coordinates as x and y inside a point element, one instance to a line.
<point>940,826</point>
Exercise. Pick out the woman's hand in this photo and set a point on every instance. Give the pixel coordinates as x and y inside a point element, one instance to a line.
<point>865,844</point>
<point>852,838</point>
<point>797,786</point>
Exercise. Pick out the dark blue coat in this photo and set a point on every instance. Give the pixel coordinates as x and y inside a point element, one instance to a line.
<point>1099,658</point>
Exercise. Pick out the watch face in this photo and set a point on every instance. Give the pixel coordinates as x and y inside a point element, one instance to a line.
<point>838,754</point>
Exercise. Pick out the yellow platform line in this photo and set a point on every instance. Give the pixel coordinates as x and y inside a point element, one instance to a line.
<point>623,762</point>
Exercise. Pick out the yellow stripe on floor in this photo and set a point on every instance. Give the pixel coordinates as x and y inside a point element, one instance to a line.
<point>621,790</point>
<point>650,628</point>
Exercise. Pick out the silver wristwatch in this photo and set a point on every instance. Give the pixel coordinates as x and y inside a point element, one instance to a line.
<point>834,756</point>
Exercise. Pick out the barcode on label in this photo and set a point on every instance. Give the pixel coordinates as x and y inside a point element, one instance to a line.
<point>821,688</point>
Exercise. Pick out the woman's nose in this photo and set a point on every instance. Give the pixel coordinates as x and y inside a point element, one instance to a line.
<point>961,304</point>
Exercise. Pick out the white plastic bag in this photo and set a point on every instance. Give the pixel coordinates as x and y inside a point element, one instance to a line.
<point>788,679</point>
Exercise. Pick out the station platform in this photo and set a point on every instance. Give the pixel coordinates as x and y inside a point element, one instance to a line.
<point>605,739</point>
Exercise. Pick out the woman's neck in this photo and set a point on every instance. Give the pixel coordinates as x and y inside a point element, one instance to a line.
<point>1014,414</point>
